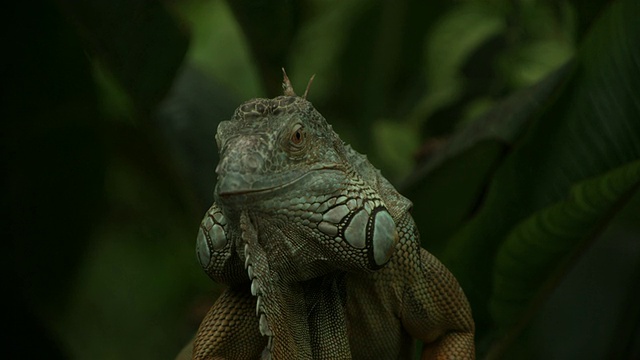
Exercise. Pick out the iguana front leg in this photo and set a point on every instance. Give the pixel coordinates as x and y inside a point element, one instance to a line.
<point>230,328</point>
<point>435,309</point>
<point>450,331</point>
<point>237,325</point>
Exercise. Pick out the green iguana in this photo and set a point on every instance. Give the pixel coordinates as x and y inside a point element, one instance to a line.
<point>320,254</point>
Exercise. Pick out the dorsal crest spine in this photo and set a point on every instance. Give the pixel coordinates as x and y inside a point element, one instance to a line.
<point>287,88</point>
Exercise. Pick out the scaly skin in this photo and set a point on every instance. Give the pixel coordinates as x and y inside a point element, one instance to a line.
<point>320,253</point>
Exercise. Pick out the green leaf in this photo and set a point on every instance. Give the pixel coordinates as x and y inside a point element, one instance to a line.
<point>450,43</point>
<point>379,66</point>
<point>212,27</point>
<point>530,62</point>
<point>396,142</point>
<point>546,40</point>
<point>138,41</point>
<point>450,183</point>
<point>319,44</point>
<point>269,28</point>
<point>534,247</point>
<point>591,129</point>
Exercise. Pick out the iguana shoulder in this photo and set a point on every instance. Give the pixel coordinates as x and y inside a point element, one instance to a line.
<point>396,203</point>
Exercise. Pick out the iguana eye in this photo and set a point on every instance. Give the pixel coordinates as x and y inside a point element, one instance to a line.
<point>295,142</point>
<point>298,135</point>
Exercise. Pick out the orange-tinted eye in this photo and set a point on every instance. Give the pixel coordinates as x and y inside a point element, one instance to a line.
<point>297,136</point>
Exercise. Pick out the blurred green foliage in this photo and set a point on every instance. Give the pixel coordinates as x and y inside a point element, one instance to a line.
<point>513,126</point>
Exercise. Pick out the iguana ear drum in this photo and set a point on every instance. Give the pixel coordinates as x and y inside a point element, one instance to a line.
<point>377,231</point>
<point>382,235</point>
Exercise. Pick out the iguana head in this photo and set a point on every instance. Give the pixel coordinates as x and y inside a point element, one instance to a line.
<point>282,162</point>
<point>270,144</point>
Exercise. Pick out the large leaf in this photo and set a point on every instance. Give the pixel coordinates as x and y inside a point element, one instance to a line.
<point>139,42</point>
<point>269,27</point>
<point>450,183</point>
<point>378,69</point>
<point>212,27</point>
<point>532,249</point>
<point>591,129</point>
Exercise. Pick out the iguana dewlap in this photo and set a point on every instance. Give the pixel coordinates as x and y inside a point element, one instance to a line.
<point>320,254</point>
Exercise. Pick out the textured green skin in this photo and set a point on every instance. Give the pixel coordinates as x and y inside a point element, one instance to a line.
<point>320,296</point>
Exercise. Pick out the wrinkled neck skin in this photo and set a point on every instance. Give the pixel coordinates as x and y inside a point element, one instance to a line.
<point>289,312</point>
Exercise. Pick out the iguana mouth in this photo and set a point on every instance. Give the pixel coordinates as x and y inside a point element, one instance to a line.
<point>235,184</point>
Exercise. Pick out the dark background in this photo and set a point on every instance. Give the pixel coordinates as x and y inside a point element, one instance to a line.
<point>513,126</point>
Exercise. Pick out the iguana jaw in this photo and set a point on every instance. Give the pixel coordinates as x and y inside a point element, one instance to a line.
<point>235,184</point>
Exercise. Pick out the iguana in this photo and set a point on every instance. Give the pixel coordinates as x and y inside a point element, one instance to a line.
<point>320,253</point>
